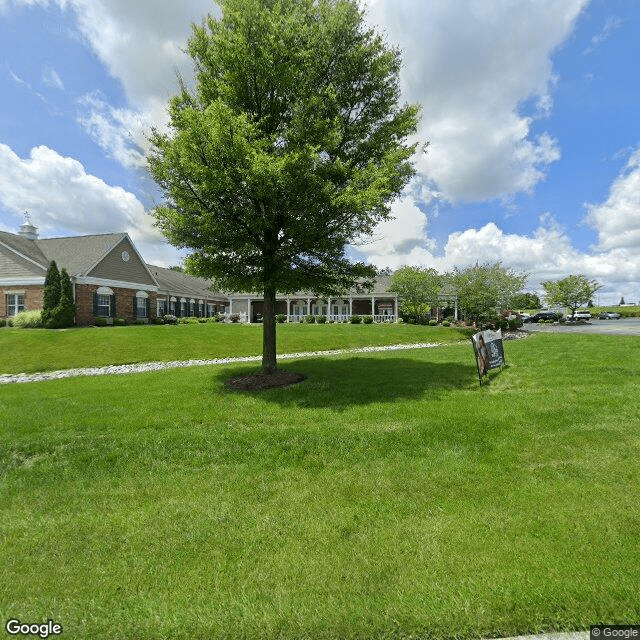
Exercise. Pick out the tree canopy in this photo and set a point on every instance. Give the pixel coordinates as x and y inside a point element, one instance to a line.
<point>572,291</point>
<point>418,289</point>
<point>485,289</point>
<point>290,146</point>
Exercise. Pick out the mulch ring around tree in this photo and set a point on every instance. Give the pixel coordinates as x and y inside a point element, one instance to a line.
<point>262,381</point>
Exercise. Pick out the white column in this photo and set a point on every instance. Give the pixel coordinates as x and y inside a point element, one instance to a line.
<point>288,308</point>
<point>350,306</point>
<point>230,306</point>
<point>328,308</point>
<point>373,306</point>
<point>249,310</point>
<point>308,306</point>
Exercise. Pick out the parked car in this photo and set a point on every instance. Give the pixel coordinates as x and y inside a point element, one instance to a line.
<point>580,315</point>
<point>543,315</point>
<point>609,315</point>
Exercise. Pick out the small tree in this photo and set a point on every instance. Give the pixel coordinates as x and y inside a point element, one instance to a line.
<point>51,292</point>
<point>418,289</point>
<point>572,291</point>
<point>290,146</point>
<point>526,300</point>
<point>484,289</point>
<point>622,301</point>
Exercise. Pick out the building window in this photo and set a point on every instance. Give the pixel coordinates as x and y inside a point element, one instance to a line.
<point>103,305</point>
<point>141,305</point>
<point>15,303</point>
<point>162,308</point>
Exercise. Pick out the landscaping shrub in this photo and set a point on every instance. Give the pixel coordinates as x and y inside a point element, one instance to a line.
<point>433,322</point>
<point>367,319</point>
<point>202,320</point>
<point>170,319</point>
<point>234,317</point>
<point>158,321</point>
<point>356,319</point>
<point>280,318</point>
<point>100,322</point>
<point>120,322</point>
<point>515,324</point>
<point>28,320</point>
<point>321,319</point>
<point>400,321</point>
<point>446,323</point>
<point>310,319</point>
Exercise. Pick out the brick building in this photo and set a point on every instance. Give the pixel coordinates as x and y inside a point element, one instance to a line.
<point>110,279</point>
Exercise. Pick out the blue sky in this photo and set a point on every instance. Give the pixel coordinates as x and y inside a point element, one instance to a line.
<point>531,110</point>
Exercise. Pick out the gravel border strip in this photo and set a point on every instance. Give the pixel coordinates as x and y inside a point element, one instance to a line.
<point>123,369</point>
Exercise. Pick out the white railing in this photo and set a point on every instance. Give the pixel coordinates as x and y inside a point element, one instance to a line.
<point>343,318</point>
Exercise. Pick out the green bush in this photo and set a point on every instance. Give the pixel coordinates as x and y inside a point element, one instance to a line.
<point>170,319</point>
<point>234,317</point>
<point>120,322</point>
<point>367,319</point>
<point>28,320</point>
<point>158,321</point>
<point>280,318</point>
<point>446,323</point>
<point>356,319</point>
<point>310,319</point>
<point>202,320</point>
<point>433,322</point>
<point>322,319</point>
<point>100,322</point>
<point>400,321</point>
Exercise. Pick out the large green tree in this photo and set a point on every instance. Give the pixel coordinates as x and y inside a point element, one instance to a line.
<point>485,289</point>
<point>418,289</point>
<point>52,292</point>
<point>290,145</point>
<point>572,291</point>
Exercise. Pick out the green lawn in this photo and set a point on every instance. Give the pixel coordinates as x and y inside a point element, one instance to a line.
<point>31,350</point>
<point>387,496</point>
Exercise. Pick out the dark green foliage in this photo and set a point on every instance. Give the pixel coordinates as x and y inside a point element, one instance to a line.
<point>356,319</point>
<point>59,288</point>
<point>321,319</point>
<point>367,319</point>
<point>280,318</point>
<point>51,292</point>
<point>525,301</point>
<point>100,322</point>
<point>310,319</point>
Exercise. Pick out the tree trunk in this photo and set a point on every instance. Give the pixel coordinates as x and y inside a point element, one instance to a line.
<point>269,364</point>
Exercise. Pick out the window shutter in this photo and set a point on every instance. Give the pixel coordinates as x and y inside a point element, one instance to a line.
<point>135,306</point>
<point>95,303</point>
<point>148,308</point>
<point>113,305</point>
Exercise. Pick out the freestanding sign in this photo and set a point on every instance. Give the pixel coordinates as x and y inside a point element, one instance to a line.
<point>489,351</point>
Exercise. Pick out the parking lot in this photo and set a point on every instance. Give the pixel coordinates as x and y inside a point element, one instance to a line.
<point>621,327</point>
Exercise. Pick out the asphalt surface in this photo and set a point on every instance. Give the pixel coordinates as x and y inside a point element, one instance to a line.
<point>622,327</point>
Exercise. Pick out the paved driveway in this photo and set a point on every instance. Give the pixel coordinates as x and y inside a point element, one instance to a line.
<point>622,327</point>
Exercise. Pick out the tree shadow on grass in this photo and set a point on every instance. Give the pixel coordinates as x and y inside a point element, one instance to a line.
<point>343,382</point>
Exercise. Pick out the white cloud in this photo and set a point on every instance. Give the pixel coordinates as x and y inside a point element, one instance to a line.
<point>611,24</point>
<point>61,195</point>
<point>52,79</point>
<point>617,220</point>
<point>472,64</point>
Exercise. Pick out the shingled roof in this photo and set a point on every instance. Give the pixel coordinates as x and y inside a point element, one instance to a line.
<point>172,282</point>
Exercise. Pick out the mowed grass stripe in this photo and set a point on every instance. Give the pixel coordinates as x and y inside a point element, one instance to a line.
<point>387,496</point>
<point>33,350</point>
